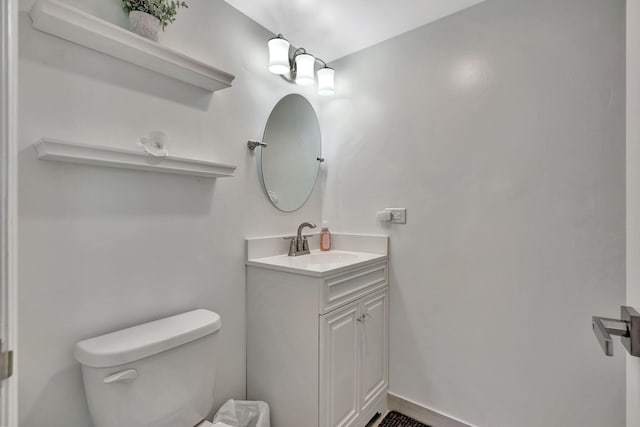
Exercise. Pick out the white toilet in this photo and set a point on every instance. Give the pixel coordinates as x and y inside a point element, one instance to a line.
<point>158,374</point>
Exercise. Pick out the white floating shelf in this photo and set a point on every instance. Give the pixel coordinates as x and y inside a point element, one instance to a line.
<point>61,20</point>
<point>70,152</point>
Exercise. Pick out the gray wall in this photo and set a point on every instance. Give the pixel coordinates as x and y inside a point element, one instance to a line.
<point>502,130</point>
<point>101,249</point>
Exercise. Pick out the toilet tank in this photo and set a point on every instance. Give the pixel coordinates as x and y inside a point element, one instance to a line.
<point>158,374</point>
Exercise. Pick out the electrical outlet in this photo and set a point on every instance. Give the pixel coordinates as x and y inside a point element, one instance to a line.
<point>398,215</point>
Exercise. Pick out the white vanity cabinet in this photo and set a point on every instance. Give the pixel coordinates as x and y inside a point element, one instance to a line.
<point>353,368</point>
<point>317,344</point>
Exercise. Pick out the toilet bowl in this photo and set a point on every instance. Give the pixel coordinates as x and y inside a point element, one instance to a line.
<point>158,374</point>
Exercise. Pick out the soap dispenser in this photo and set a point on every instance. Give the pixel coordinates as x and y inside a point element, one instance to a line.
<point>325,237</point>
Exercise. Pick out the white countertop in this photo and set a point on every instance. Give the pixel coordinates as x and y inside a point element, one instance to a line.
<point>318,263</point>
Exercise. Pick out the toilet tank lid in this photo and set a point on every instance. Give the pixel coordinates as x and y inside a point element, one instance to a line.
<point>147,339</point>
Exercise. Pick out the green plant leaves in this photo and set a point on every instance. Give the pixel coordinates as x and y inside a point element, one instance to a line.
<point>164,10</point>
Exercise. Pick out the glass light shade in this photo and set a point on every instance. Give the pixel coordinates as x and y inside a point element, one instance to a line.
<point>326,80</point>
<point>278,56</point>
<point>304,69</point>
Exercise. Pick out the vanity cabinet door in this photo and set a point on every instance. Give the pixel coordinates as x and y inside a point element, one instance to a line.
<point>374,338</point>
<point>339,363</point>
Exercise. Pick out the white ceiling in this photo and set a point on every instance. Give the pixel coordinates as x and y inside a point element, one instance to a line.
<point>331,29</point>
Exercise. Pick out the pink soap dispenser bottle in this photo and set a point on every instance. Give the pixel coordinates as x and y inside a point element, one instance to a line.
<point>325,237</point>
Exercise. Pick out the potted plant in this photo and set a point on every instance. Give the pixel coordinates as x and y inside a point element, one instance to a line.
<point>146,17</point>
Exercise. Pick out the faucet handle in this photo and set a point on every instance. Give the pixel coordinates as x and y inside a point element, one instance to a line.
<point>293,247</point>
<point>305,244</point>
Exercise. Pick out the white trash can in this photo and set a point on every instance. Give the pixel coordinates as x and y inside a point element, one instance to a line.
<point>242,413</point>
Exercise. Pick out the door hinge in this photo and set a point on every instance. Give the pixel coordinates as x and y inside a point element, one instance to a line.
<point>6,363</point>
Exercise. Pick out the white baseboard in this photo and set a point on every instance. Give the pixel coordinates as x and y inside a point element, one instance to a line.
<point>422,413</point>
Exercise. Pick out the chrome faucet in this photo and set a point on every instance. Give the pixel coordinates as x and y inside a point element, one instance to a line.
<point>299,244</point>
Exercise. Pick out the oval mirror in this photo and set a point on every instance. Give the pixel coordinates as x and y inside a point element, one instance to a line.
<point>289,164</point>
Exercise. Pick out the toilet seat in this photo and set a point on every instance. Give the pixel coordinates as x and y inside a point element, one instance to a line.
<point>206,423</point>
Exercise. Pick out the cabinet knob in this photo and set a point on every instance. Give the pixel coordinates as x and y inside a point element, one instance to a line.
<point>364,317</point>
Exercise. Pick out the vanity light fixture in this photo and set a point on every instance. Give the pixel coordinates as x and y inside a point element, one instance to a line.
<point>326,78</point>
<point>304,66</point>
<point>301,68</point>
<point>279,55</point>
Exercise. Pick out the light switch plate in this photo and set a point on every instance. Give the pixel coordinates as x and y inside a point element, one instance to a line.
<point>398,215</point>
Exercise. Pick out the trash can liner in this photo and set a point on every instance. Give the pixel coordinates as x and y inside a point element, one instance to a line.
<point>243,413</point>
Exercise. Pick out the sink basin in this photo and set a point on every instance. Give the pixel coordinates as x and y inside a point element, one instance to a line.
<point>317,263</point>
<point>324,258</point>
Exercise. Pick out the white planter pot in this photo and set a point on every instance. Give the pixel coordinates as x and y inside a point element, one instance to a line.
<point>144,24</point>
